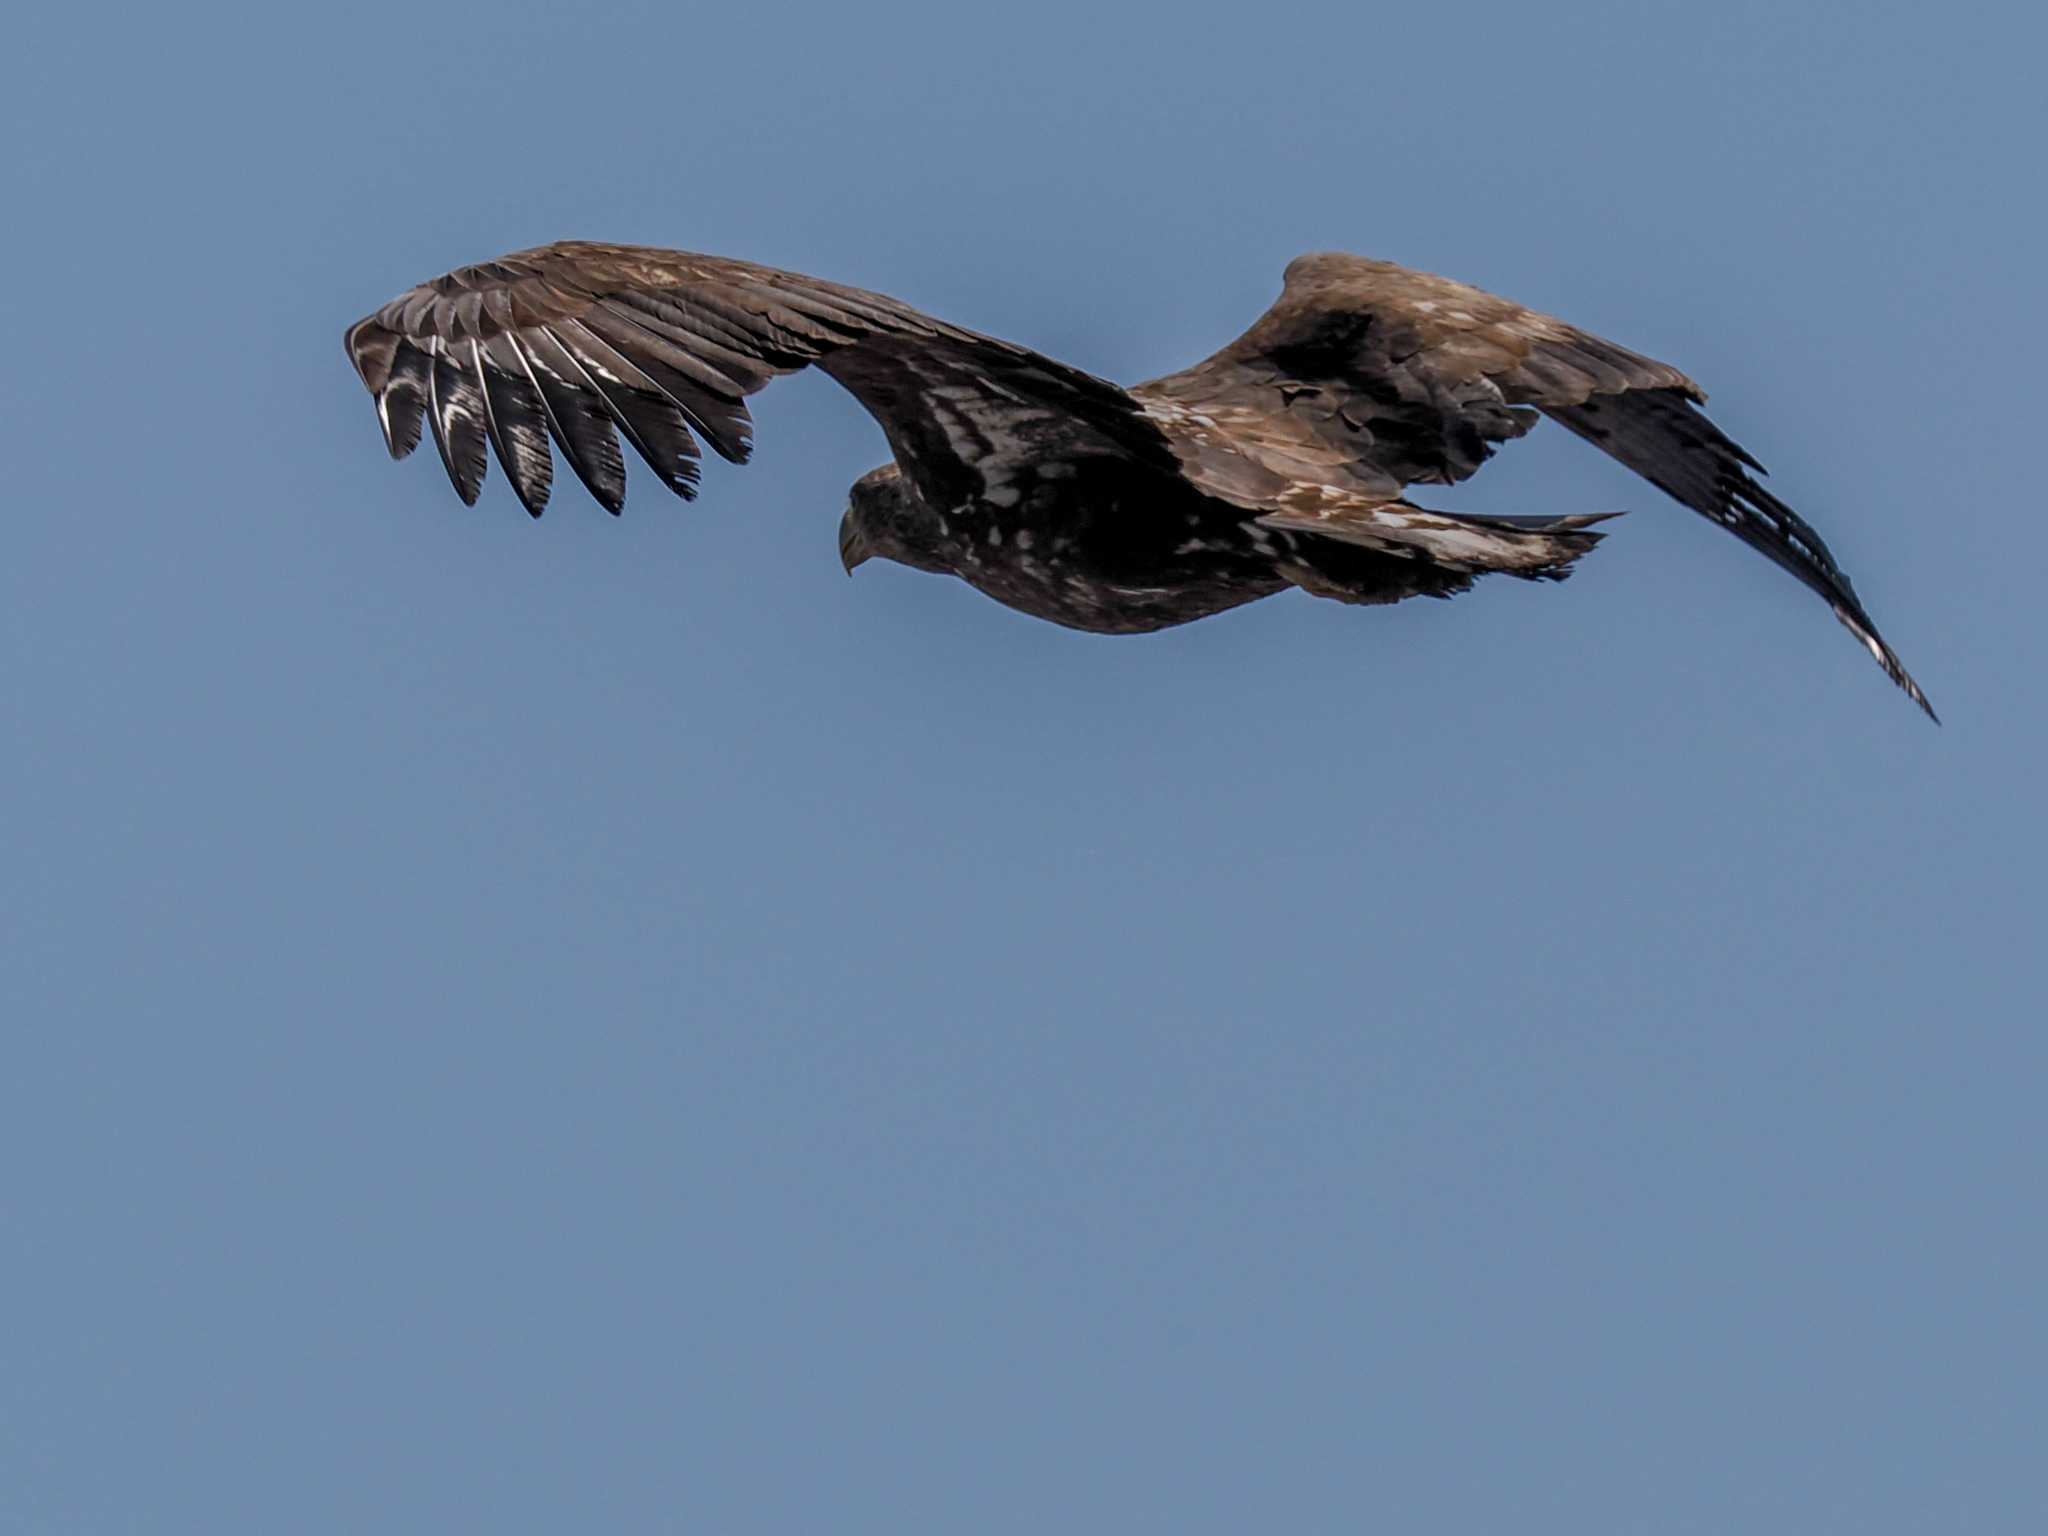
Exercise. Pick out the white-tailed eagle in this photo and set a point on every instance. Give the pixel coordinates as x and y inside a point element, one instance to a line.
<point>1279,462</point>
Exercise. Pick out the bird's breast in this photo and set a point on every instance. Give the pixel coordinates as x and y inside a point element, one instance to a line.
<point>1113,568</point>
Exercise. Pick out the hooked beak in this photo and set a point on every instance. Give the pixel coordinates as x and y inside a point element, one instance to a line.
<point>853,545</point>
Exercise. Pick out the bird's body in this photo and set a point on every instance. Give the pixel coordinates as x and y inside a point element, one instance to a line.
<point>1278,462</point>
<point>1110,564</point>
<point>1132,559</point>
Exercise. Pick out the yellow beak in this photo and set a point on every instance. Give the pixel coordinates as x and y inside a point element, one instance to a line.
<point>853,545</point>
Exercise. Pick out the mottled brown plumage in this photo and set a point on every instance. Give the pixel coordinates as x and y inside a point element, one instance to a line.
<point>1280,461</point>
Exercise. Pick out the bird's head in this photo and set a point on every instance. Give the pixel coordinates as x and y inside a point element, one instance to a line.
<point>884,516</point>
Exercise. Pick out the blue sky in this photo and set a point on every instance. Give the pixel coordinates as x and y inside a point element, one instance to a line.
<point>612,1025</point>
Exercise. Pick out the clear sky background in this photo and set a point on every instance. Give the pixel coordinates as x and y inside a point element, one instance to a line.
<point>603,1025</point>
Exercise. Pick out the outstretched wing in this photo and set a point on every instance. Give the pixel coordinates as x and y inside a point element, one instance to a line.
<point>1368,374</point>
<point>582,343</point>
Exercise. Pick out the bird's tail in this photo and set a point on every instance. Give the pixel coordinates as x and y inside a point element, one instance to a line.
<point>1563,539</point>
<point>1535,548</point>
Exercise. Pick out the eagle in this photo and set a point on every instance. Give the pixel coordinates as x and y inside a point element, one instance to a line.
<point>1280,462</point>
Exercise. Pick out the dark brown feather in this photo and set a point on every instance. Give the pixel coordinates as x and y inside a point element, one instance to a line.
<point>455,404</point>
<point>1662,436</point>
<point>577,418</point>
<point>518,424</point>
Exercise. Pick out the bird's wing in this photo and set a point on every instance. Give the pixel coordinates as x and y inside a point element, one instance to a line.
<point>571,341</point>
<point>1368,374</point>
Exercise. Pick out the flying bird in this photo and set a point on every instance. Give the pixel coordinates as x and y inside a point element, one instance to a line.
<point>1279,462</point>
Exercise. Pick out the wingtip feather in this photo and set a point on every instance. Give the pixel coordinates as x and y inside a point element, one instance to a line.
<point>1886,658</point>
